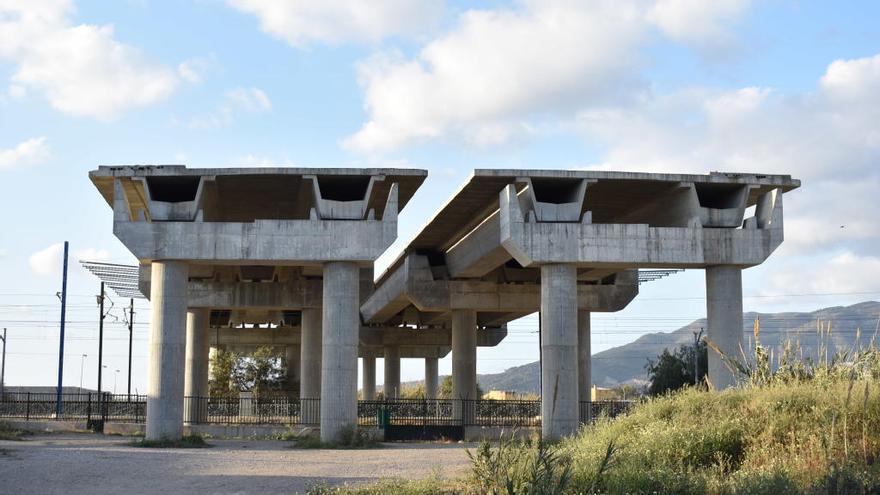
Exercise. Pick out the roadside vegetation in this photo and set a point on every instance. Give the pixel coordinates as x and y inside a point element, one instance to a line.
<point>7,432</point>
<point>794,426</point>
<point>350,439</point>
<point>187,442</point>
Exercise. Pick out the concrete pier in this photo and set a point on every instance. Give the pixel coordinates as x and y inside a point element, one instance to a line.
<point>724,311</point>
<point>310,355</point>
<point>167,350</point>
<point>559,339</point>
<point>392,372</point>
<point>195,382</point>
<point>310,365</point>
<point>432,375</point>
<point>368,373</point>
<point>585,380</point>
<point>341,323</point>
<point>464,361</point>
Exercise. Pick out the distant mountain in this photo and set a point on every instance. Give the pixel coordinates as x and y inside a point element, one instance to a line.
<point>626,363</point>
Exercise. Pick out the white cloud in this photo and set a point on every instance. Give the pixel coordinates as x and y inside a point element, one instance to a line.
<point>501,73</point>
<point>249,99</point>
<point>300,22</point>
<point>47,261</point>
<point>30,152</point>
<point>844,273</point>
<point>828,137</point>
<point>235,101</point>
<point>259,161</point>
<point>80,68</point>
<point>193,70</point>
<point>50,261</point>
<point>703,25</point>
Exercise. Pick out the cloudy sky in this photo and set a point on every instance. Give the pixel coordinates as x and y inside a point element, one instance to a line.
<point>779,86</point>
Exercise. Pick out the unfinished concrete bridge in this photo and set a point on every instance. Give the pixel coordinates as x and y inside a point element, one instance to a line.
<point>295,248</point>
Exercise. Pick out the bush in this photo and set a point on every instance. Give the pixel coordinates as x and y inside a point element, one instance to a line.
<point>9,433</point>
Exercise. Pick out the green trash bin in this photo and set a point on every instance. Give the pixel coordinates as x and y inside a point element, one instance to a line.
<point>382,416</point>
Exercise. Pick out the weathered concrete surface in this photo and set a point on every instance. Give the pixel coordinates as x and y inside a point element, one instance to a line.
<point>195,382</point>
<point>413,283</point>
<point>391,384</point>
<point>559,332</point>
<point>310,355</point>
<point>167,354</point>
<point>724,311</point>
<point>464,361</point>
<point>585,380</point>
<point>432,378</point>
<point>340,350</point>
<point>369,378</point>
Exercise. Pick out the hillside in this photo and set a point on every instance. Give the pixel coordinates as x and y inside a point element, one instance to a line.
<point>626,363</point>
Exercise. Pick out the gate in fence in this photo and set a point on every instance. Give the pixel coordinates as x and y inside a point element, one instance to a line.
<point>416,419</point>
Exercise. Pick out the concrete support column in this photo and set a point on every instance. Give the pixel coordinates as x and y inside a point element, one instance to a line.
<point>559,339</point>
<point>369,377</point>
<point>432,376</point>
<point>724,312</point>
<point>291,355</point>
<point>195,383</point>
<point>584,365</point>
<point>392,372</point>
<point>464,362</point>
<point>340,349</point>
<point>167,350</point>
<point>310,366</point>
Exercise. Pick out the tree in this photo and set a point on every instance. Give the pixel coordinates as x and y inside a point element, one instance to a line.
<point>224,381</point>
<point>445,391</point>
<point>674,370</point>
<point>261,372</point>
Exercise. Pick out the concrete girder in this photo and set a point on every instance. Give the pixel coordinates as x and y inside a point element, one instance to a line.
<point>413,283</point>
<point>370,338</point>
<point>638,245</point>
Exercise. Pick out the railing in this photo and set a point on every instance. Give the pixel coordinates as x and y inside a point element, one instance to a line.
<point>251,410</point>
<point>591,411</point>
<point>286,411</point>
<point>88,407</point>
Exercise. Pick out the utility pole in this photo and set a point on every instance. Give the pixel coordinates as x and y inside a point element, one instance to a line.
<point>61,338</point>
<point>3,368</point>
<point>100,338</point>
<point>130,338</point>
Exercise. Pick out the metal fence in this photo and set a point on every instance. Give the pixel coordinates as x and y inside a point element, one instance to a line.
<point>286,411</point>
<point>87,407</point>
<point>251,410</point>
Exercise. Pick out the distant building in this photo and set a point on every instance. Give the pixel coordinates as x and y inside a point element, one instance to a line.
<point>602,393</point>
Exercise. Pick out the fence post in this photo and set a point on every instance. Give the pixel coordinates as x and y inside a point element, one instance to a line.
<point>27,414</point>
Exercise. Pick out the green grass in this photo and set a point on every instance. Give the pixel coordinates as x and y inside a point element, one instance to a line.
<point>187,442</point>
<point>350,439</point>
<point>9,433</point>
<point>820,435</point>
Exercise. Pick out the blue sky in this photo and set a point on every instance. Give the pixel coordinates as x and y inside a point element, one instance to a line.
<point>664,85</point>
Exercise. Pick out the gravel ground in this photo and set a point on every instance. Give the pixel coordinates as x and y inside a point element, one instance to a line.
<point>97,464</point>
